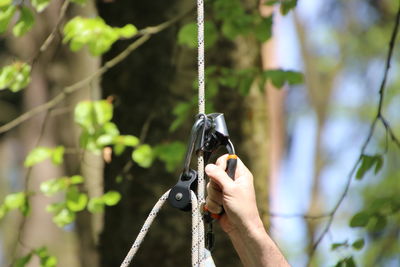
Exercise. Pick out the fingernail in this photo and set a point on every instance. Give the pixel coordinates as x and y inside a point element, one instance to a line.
<point>210,168</point>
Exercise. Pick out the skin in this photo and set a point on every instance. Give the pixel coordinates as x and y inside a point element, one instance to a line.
<point>241,220</point>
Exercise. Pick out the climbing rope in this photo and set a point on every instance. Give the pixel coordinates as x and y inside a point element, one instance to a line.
<point>201,100</point>
<point>200,256</point>
<point>145,229</point>
<point>197,233</point>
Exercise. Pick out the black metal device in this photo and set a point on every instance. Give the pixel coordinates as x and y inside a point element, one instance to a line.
<point>208,134</point>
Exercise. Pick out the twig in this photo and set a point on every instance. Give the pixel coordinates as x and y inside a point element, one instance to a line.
<point>22,223</point>
<point>53,33</point>
<point>144,34</point>
<point>378,117</point>
<point>304,216</point>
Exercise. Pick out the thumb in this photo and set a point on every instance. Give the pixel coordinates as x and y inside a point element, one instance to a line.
<point>218,175</point>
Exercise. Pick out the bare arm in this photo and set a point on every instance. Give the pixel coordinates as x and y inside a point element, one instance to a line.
<point>241,220</point>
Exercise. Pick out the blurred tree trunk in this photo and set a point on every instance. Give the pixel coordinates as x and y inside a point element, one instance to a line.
<point>275,102</point>
<point>47,130</point>
<point>319,88</point>
<point>255,127</point>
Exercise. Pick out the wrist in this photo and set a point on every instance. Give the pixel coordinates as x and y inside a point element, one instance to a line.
<point>253,229</point>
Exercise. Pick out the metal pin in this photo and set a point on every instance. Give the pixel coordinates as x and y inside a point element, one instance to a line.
<point>179,196</point>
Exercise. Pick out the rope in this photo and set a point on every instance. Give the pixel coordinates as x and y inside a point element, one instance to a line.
<point>197,234</point>
<point>200,162</point>
<point>200,256</point>
<point>145,229</point>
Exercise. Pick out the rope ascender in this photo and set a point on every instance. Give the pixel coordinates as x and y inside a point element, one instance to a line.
<point>208,134</point>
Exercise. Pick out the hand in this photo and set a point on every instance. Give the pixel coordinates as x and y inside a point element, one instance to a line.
<point>236,196</point>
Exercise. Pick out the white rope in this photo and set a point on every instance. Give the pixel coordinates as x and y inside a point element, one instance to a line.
<point>200,256</point>
<point>145,229</point>
<point>200,165</point>
<point>197,234</point>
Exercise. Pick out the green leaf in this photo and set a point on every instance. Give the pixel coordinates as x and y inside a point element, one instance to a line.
<point>187,35</point>
<point>57,155</point>
<point>53,186</point>
<point>105,140</point>
<point>15,200</point>
<point>294,77</point>
<point>64,217</point>
<point>339,245</point>
<point>15,76</point>
<point>181,112</point>
<point>143,156</point>
<point>40,5</point>
<point>350,262</point>
<point>360,219</point>
<point>287,5</point>
<point>95,34</point>
<point>272,2</point>
<point>6,14</point>
<point>25,22</point>
<point>210,34</point>
<point>96,204</point>
<point>5,3</point>
<point>127,31</point>
<point>367,163</point>
<point>263,30</point>
<point>378,223</point>
<point>50,261</point>
<point>46,260</point>
<point>90,114</point>
<point>279,77</point>
<point>55,207</point>
<point>76,179</point>
<point>21,262</point>
<point>111,198</point>
<point>358,244</point>
<point>76,201</point>
<point>171,154</point>
<point>128,140</point>
<point>38,155</point>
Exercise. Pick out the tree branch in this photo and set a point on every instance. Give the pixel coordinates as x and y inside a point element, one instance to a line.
<point>378,117</point>
<point>53,33</point>
<point>142,37</point>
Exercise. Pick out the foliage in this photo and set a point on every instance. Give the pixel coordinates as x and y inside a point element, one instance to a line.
<point>45,259</point>
<point>94,33</point>
<point>15,201</point>
<point>40,154</point>
<point>25,21</point>
<point>15,76</point>
<point>240,80</point>
<point>368,162</point>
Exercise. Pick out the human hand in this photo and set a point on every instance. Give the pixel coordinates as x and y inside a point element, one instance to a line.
<point>236,196</point>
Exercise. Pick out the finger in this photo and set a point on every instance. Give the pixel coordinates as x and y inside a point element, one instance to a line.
<point>218,175</point>
<point>222,161</point>
<point>214,185</point>
<point>214,195</point>
<point>213,206</point>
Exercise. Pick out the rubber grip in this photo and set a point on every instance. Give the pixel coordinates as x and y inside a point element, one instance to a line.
<point>231,166</point>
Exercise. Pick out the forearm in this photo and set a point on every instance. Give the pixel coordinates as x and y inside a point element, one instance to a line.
<point>256,249</point>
